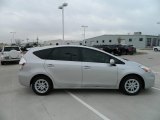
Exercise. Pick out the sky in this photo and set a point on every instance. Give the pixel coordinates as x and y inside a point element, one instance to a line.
<point>42,18</point>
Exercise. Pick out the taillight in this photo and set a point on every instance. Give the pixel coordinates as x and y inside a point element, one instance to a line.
<point>22,62</point>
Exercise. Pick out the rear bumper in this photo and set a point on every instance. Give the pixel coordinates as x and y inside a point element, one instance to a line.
<point>9,60</point>
<point>24,78</point>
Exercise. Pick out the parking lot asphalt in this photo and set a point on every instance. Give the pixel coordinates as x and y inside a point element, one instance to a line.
<point>20,103</point>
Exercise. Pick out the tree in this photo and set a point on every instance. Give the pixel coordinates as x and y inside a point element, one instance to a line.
<point>18,42</point>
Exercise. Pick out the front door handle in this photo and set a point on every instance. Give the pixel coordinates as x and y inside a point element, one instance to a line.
<point>87,67</point>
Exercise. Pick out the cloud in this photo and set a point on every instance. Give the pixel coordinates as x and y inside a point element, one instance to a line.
<point>30,18</point>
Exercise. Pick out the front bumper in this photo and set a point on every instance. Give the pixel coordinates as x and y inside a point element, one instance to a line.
<point>149,78</point>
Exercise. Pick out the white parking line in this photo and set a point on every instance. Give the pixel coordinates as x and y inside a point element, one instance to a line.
<point>155,88</point>
<point>88,106</point>
<point>156,72</point>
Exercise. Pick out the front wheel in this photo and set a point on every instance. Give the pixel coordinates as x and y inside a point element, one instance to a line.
<point>131,85</point>
<point>42,85</point>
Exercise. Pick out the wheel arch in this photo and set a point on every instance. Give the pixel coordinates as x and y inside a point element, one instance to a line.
<point>140,77</point>
<point>41,75</point>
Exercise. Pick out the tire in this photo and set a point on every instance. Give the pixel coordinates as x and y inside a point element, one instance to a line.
<point>42,85</point>
<point>131,53</point>
<point>3,63</point>
<point>131,85</point>
<point>155,49</point>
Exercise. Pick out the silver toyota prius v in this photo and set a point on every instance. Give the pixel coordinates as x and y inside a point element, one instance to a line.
<point>78,67</point>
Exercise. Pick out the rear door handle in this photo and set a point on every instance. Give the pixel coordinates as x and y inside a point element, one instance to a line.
<point>87,67</point>
<point>50,65</point>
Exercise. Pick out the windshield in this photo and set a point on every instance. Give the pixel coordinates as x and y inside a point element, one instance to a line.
<point>11,48</point>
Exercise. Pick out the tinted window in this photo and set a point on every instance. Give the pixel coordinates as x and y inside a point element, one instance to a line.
<point>130,40</point>
<point>65,53</point>
<point>11,48</point>
<point>140,39</point>
<point>43,54</point>
<point>89,55</point>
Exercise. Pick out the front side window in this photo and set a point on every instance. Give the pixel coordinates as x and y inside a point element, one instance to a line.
<point>89,55</point>
<point>65,54</point>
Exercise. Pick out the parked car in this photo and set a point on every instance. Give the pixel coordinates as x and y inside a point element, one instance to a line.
<point>156,48</point>
<point>113,49</point>
<point>26,47</point>
<point>128,49</point>
<point>10,54</point>
<point>78,67</point>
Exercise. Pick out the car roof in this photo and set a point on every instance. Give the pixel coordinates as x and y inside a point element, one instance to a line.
<point>47,47</point>
<point>10,46</point>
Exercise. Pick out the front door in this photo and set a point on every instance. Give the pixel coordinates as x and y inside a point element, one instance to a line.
<point>97,72</point>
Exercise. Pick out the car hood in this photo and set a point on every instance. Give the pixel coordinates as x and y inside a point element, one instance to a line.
<point>132,63</point>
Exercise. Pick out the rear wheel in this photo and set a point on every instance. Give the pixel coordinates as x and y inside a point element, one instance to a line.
<point>131,85</point>
<point>42,85</point>
<point>155,49</point>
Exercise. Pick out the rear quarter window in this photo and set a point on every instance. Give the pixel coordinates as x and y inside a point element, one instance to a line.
<point>11,48</point>
<point>43,54</point>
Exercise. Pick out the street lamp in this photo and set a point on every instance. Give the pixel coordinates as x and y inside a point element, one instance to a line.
<point>12,36</point>
<point>84,29</point>
<point>62,8</point>
<point>158,36</point>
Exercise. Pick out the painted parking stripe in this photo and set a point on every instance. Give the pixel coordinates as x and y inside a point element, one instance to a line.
<point>155,88</point>
<point>156,72</point>
<point>88,106</point>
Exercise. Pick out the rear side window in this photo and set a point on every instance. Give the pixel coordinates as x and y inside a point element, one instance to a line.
<point>65,54</point>
<point>43,54</point>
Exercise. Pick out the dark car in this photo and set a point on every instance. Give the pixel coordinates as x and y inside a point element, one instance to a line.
<point>129,49</point>
<point>113,49</point>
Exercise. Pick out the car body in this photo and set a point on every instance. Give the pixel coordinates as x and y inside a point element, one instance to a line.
<point>156,48</point>
<point>71,66</point>
<point>10,54</point>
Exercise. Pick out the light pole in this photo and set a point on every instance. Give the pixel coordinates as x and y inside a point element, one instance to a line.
<point>27,40</point>
<point>12,36</point>
<point>62,8</point>
<point>158,36</point>
<point>84,29</point>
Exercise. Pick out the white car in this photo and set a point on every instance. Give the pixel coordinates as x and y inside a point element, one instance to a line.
<point>156,48</point>
<point>10,54</point>
<point>80,67</point>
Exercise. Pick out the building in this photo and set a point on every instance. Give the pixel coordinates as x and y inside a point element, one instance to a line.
<point>62,42</point>
<point>137,39</point>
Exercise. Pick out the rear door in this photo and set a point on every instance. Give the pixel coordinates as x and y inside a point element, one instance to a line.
<point>64,65</point>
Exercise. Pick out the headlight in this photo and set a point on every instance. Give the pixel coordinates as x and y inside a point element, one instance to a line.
<point>2,57</point>
<point>146,69</point>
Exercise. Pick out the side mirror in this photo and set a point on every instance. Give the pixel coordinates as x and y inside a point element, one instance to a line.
<point>112,62</point>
